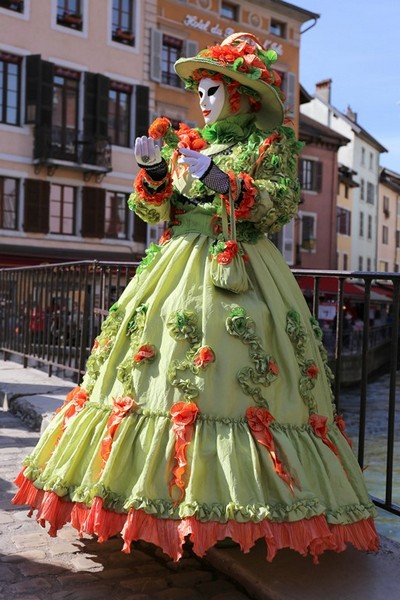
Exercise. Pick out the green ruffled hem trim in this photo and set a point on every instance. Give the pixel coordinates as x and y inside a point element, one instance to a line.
<point>166,509</point>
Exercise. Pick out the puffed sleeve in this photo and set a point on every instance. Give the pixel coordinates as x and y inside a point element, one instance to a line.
<point>268,192</point>
<point>151,199</point>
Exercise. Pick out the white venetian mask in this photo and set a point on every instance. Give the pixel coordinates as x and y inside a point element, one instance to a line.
<point>212,98</point>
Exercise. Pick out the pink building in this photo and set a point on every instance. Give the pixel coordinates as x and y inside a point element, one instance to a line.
<point>318,172</point>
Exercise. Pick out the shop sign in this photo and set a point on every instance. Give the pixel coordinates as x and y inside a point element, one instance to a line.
<point>215,29</point>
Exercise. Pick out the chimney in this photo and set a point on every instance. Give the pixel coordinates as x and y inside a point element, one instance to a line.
<point>323,90</point>
<point>350,114</point>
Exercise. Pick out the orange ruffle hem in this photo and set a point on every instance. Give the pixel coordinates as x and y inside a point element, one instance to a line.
<point>307,536</point>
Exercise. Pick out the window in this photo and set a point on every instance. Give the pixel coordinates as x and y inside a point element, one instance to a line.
<point>277,28</point>
<point>119,113</point>
<point>15,5</point>
<point>343,221</point>
<point>10,75</point>
<point>363,156</point>
<point>289,89</point>
<point>360,263</point>
<point>371,160</point>
<point>397,239</point>
<point>122,22</point>
<point>172,49</point>
<point>383,266</point>
<point>385,234</point>
<point>62,209</point>
<point>362,189</point>
<point>310,175</point>
<point>8,202</point>
<point>69,14</point>
<point>368,264</point>
<point>386,211</point>
<point>370,192</point>
<point>369,228</point>
<point>396,267</point>
<point>361,225</point>
<point>65,114</point>
<point>345,262</point>
<point>116,215</point>
<point>308,232</point>
<point>229,11</point>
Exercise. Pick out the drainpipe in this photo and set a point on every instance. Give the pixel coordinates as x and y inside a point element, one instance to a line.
<point>310,26</point>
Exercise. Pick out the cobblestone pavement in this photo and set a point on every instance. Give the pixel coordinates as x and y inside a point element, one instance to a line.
<point>34,566</point>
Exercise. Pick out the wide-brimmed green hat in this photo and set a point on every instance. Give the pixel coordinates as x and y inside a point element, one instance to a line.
<point>246,62</point>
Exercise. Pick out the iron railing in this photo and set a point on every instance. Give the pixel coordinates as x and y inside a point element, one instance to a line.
<point>50,315</point>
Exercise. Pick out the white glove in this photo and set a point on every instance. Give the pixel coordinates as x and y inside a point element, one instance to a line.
<point>147,153</point>
<point>196,162</point>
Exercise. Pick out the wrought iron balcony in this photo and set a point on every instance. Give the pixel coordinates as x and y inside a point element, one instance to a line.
<point>58,145</point>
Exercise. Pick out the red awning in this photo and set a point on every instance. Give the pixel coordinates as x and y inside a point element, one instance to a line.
<point>330,285</point>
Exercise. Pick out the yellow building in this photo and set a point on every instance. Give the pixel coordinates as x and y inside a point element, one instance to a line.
<point>344,209</point>
<point>389,221</point>
<point>82,79</point>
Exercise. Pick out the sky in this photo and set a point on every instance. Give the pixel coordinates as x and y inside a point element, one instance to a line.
<point>356,44</point>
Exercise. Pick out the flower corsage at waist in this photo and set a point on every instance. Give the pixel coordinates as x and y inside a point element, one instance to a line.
<point>225,251</point>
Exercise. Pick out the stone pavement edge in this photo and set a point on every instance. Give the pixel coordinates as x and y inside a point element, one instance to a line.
<point>33,396</point>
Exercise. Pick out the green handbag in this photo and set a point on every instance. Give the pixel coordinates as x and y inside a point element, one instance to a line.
<point>227,260</point>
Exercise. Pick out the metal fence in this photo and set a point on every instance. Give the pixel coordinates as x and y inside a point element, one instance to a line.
<point>50,315</point>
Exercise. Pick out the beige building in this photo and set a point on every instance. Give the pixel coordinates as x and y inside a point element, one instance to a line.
<point>389,221</point>
<point>76,92</point>
<point>82,79</point>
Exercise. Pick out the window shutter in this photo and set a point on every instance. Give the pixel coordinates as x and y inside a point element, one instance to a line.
<point>103,86</point>
<point>95,117</point>
<point>289,89</point>
<point>93,212</point>
<point>156,54</point>
<point>139,230</point>
<point>89,110</point>
<point>36,210</point>
<point>288,245</point>
<point>191,48</point>
<point>39,90</point>
<point>318,175</point>
<point>142,110</point>
<point>301,172</point>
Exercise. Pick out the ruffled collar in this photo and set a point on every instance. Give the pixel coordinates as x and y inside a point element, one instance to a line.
<point>230,130</point>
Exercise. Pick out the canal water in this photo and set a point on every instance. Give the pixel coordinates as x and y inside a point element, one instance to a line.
<point>376,443</point>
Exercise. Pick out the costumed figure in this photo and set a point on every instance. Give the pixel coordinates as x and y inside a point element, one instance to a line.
<point>206,410</point>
